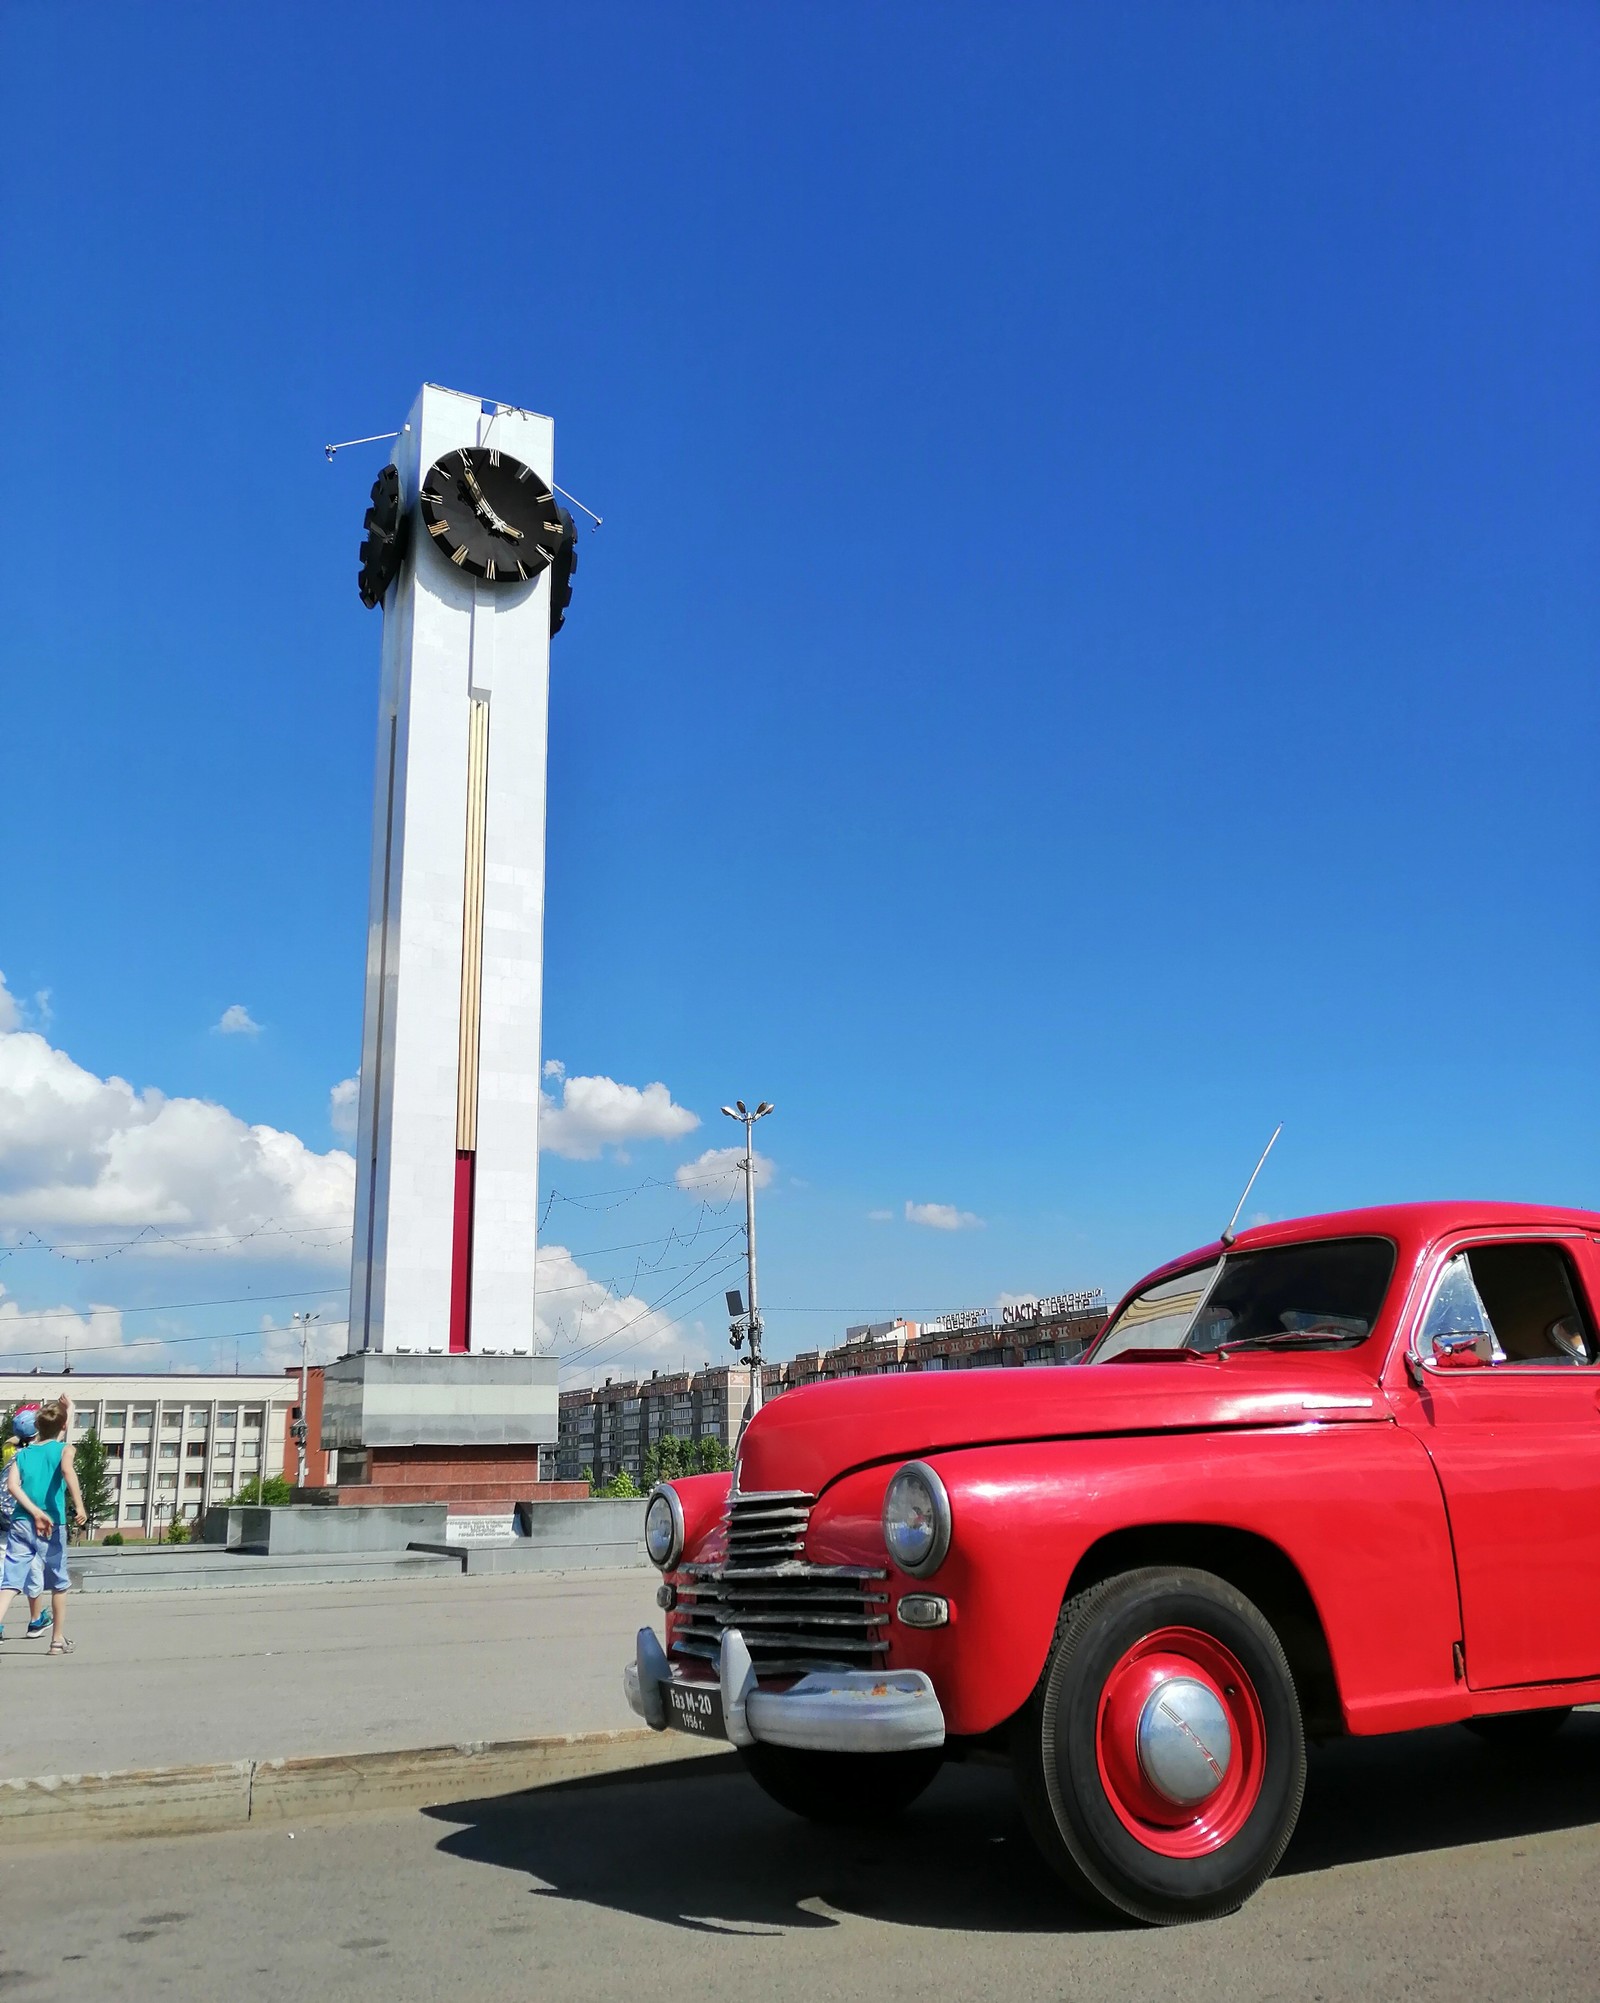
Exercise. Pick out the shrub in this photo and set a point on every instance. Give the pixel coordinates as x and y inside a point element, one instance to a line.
<point>178,1530</point>
<point>116,1537</point>
<point>274,1492</point>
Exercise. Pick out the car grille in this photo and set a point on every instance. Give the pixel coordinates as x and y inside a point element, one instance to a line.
<point>794,1616</point>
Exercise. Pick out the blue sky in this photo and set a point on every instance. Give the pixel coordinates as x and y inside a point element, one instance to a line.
<point>1092,649</point>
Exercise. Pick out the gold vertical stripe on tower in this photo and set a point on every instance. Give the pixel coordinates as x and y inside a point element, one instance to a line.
<point>472,928</point>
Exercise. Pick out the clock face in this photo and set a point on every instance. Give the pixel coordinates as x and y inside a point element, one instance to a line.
<point>385,543</point>
<point>491,515</point>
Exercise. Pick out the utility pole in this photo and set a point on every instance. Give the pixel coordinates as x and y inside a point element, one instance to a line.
<point>748,1330</point>
<point>300,1429</point>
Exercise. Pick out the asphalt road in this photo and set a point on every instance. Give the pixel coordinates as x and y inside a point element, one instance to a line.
<point>1425,1867</point>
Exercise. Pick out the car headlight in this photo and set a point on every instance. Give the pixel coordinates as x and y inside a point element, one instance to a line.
<point>916,1519</point>
<point>663,1527</point>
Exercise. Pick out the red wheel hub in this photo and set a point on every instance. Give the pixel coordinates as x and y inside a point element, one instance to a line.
<point>1180,1742</point>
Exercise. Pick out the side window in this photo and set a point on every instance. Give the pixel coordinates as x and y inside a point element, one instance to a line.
<point>1521,1296</point>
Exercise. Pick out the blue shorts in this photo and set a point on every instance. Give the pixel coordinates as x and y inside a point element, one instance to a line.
<point>34,1563</point>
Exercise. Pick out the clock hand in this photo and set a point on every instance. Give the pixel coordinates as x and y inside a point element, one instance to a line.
<point>480,500</point>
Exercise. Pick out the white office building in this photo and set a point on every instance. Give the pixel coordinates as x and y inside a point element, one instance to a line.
<point>174,1444</point>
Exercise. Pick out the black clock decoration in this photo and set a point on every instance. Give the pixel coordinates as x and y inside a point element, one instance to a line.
<point>384,546</point>
<point>561,572</point>
<point>489,514</point>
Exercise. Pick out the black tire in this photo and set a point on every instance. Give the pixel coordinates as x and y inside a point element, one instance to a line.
<point>1065,1799</point>
<point>1520,1731</point>
<point>841,1788</point>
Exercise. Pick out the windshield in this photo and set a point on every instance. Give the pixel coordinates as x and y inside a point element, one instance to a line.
<point>1325,1294</point>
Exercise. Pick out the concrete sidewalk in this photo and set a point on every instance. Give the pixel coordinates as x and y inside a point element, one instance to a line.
<point>184,1678</point>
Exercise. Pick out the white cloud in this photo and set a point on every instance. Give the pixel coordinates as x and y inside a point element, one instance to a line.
<point>719,1165</point>
<point>278,1345</point>
<point>236,1021</point>
<point>609,1335</point>
<point>880,1216</point>
<point>344,1102</point>
<point>554,1068</point>
<point>83,1153</point>
<point>16,1014</point>
<point>596,1113</point>
<point>50,1335</point>
<point>942,1217</point>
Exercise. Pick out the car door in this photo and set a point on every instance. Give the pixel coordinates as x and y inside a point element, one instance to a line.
<point>1512,1424</point>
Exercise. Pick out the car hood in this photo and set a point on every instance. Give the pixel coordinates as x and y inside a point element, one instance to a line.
<point>810,1436</point>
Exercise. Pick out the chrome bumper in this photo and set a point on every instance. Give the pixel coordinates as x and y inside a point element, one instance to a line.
<point>830,1710</point>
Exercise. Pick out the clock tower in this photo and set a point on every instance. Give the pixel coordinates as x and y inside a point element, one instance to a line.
<point>470,558</point>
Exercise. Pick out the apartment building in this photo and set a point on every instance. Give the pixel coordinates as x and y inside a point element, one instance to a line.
<point>612,1426</point>
<point>174,1444</point>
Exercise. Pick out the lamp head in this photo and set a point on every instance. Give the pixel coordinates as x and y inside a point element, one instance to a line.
<point>743,1115</point>
<point>763,1109</point>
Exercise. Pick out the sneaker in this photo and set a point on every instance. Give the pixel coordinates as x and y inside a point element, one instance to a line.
<point>40,1625</point>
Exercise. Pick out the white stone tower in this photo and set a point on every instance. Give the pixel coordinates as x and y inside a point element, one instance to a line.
<point>448,1142</point>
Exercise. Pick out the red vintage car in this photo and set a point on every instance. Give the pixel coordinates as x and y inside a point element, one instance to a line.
<point>1334,1476</point>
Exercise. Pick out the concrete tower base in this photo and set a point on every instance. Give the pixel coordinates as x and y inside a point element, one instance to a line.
<point>462,1430</point>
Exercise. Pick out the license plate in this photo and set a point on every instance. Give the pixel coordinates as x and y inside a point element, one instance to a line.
<point>695,1707</point>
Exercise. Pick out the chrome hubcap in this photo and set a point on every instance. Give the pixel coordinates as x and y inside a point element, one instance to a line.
<point>1185,1744</point>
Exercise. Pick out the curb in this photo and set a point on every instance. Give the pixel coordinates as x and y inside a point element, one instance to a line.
<point>173,1801</point>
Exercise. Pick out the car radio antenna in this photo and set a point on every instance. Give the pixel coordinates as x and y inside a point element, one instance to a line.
<point>1229,1234</point>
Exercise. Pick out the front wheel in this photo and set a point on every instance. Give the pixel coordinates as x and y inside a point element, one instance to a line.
<point>841,1788</point>
<point>1161,1760</point>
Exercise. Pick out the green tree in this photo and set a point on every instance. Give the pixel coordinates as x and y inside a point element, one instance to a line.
<point>671,1458</point>
<point>620,1488</point>
<point>712,1457</point>
<point>94,1479</point>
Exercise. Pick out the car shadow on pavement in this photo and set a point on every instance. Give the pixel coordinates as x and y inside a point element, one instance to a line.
<point>699,1847</point>
<point>1441,1790</point>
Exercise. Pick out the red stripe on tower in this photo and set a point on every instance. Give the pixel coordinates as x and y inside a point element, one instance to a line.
<point>461,1255</point>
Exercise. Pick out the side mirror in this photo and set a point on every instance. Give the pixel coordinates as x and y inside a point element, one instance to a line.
<point>1460,1349</point>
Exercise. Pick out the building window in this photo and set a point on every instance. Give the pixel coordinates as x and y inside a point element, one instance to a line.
<point>171,1422</point>
<point>139,1451</point>
<point>166,1481</point>
<point>252,1422</point>
<point>193,1480</point>
<point>227,1417</point>
<point>199,1415</point>
<point>143,1416</point>
<point>134,1485</point>
<point>196,1450</point>
<point>169,1450</point>
<point>116,1418</point>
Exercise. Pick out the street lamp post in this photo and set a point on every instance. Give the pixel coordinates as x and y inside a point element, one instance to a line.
<point>300,1427</point>
<point>750,1331</point>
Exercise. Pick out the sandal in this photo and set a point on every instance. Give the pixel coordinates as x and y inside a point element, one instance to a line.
<point>62,1647</point>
